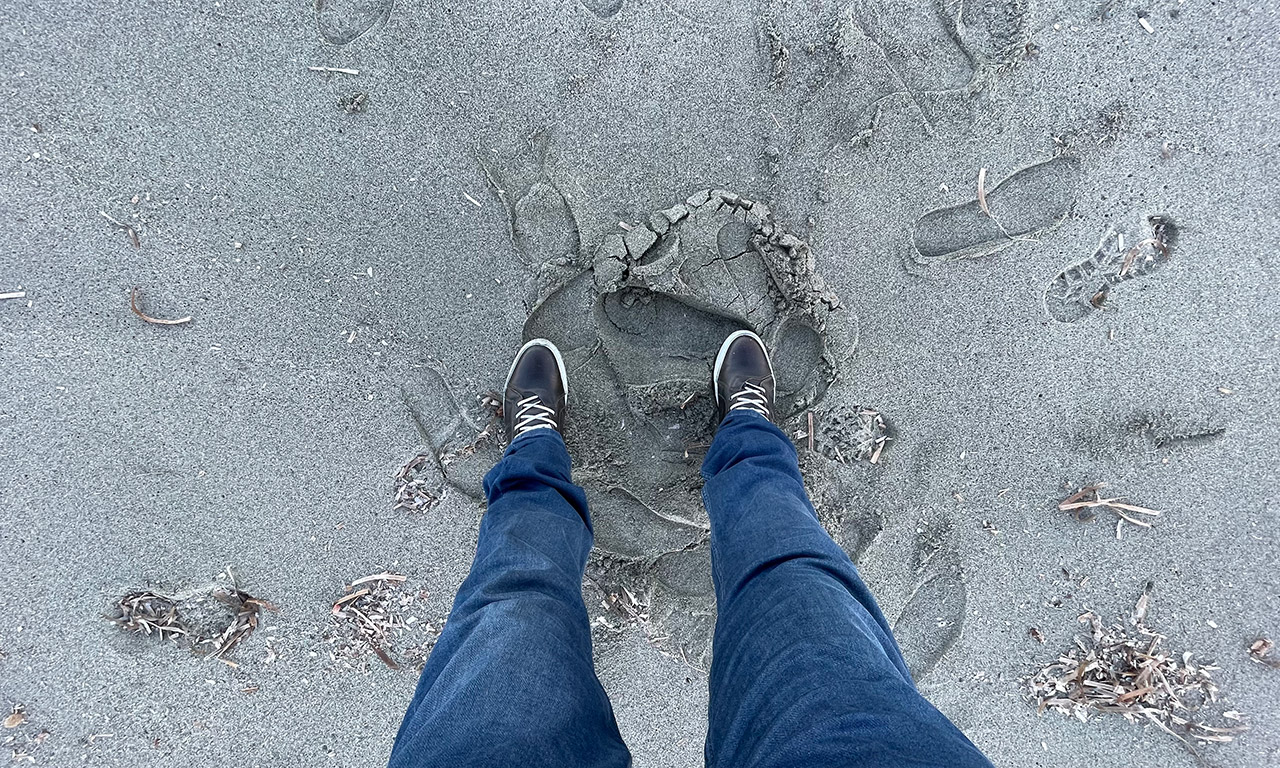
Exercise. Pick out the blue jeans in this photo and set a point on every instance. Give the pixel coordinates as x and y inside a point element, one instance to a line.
<point>805,671</point>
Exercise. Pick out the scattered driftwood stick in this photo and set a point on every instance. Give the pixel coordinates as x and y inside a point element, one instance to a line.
<point>13,295</point>
<point>128,229</point>
<point>338,70</point>
<point>1082,503</point>
<point>383,655</point>
<point>384,576</point>
<point>337,604</point>
<point>982,193</point>
<point>133,304</point>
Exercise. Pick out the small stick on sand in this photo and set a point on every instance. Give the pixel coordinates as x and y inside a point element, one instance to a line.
<point>384,576</point>
<point>810,431</point>
<point>875,455</point>
<point>982,193</point>
<point>130,231</point>
<point>474,201</point>
<point>1088,498</point>
<point>338,70</point>
<point>133,304</point>
<point>13,295</point>
<point>337,605</point>
<point>386,659</point>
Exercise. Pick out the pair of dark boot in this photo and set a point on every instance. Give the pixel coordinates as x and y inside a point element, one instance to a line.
<point>536,395</point>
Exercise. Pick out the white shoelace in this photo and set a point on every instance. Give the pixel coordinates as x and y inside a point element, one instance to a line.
<point>532,414</point>
<point>752,397</point>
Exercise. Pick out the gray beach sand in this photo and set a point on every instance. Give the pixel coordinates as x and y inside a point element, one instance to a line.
<point>360,253</point>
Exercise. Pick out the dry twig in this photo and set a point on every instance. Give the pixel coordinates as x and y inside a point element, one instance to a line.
<point>128,229</point>
<point>336,70</point>
<point>982,193</point>
<point>1082,503</point>
<point>133,304</point>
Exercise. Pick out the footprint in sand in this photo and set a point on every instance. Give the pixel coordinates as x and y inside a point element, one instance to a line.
<point>930,623</point>
<point>933,617</point>
<point>343,21</point>
<point>660,298</point>
<point>914,42</point>
<point>603,8</point>
<point>1082,288</point>
<point>849,64</point>
<point>1023,204</point>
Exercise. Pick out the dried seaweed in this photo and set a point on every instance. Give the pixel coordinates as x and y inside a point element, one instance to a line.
<point>1123,670</point>
<point>187,617</point>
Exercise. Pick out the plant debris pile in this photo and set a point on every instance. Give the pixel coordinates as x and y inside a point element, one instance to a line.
<point>1122,669</point>
<point>247,609</point>
<point>371,616</point>
<point>149,613</point>
<point>212,620</point>
<point>416,488</point>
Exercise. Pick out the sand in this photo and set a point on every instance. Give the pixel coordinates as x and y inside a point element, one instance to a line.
<point>360,254</point>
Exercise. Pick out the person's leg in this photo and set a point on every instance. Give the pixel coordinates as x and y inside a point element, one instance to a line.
<point>805,671</point>
<point>510,681</point>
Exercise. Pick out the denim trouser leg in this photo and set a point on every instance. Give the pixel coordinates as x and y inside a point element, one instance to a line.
<point>511,682</point>
<point>805,671</point>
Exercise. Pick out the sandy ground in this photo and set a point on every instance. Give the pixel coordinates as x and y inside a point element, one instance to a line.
<point>358,276</point>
